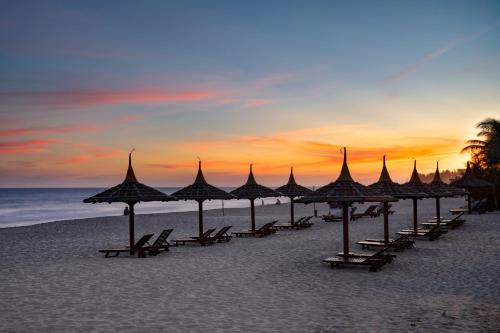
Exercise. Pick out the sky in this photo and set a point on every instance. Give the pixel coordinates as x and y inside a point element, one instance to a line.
<point>273,83</point>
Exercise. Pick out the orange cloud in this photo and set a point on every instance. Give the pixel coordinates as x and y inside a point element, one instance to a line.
<point>49,130</point>
<point>26,146</point>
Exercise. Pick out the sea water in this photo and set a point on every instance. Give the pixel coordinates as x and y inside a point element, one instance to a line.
<point>27,206</point>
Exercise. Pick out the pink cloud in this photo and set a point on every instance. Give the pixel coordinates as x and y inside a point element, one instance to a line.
<point>26,146</point>
<point>83,98</point>
<point>49,130</point>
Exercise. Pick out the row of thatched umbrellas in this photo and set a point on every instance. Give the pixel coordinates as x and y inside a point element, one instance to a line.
<point>344,191</point>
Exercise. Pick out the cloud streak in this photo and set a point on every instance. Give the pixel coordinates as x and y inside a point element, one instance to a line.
<point>25,146</point>
<point>436,54</point>
<point>87,98</point>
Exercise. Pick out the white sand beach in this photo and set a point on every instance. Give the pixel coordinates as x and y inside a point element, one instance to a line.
<point>54,280</point>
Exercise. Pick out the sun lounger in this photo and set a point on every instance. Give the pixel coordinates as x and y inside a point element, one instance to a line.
<point>368,212</point>
<point>221,235</point>
<point>203,240</point>
<point>432,233</point>
<point>373,263</point>
<point>288,225</point>
<point>138,247</point>
<point>398,244</point>
<point>454,223</point>
<point>380,210</point>
<point>263,231</point>
<point>380,254</point>
<point>160,243</point>
<point>305,223</point>
<point>331,218</point>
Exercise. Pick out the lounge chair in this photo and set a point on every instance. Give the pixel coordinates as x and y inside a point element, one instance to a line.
<point>373,262</point>
<point>380,254</point>
<point>263,231</point>
<point>331,218</point>
<point>398,244</point>
<point>380,210</point>
<point>453,223</point>
<point>203,240</point>
<point>160,243</point>
<point>432,233</point>
<point>305,223</point>
<point>138,247</point>
<point>288,225</point>
<point>221,235</point>
<point>368,212</point>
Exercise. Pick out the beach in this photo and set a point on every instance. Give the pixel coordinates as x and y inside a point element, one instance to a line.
<point>54,280</point>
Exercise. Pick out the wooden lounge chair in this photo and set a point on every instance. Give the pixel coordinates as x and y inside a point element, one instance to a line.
<point>454,223</point>
<point>138,247</point>
<point>160,243</point>
<point>305,223</point>
<point>380,210</point>
<point>399,244</point>
<point>221,235</point>
<point>373,263</point>
<point>263,231</point>
<point>203,240</point>
<point>331,218</point>
<point>368,212</point>
<point>432,233</point>
<point>288,225</point>
<point>381,254</point>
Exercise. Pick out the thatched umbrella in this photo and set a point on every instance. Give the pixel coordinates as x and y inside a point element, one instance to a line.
<point>470,181</point>
<point>293,190</point>
<point>200,191</point>
<point>416,185</point>
<point>345,191</point>
<point>130,192</point>
<point>438,187</point>
<point>251,191</point>
<point>386,186</point>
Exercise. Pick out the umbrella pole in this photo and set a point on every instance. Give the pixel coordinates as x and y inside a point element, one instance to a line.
<point>292,215</point>
<point>438,212</point>
<point>415,217</point>
<point>386,222</point>
<point>469,203</point>
<point>252,212</point>
<point>345,228</point>
<point>200,218</point>
<point>131,228</point>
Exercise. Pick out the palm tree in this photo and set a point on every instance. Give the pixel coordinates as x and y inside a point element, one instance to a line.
<point>485,152</point>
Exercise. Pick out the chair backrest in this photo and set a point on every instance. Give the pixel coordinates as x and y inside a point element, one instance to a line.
<point>142,241</point>
<point>162,238</point>
<point>222,232</point>
<point>300,220</point>
<point>267,225</point>
<point>353,209</point>
<point>306,219</point>
<point>207,233</point>
<point>370,209</point>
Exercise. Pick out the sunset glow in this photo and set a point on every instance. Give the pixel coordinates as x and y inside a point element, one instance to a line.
<point>233,93</point>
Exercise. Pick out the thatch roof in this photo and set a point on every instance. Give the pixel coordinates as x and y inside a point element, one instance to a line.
<point>385,185</point>
<point>416,185</point>
<point>251,190</point>
<point>130,191</point>
<point>345,189</point>
<point>292,189</point>
<point>469,180</point>
<point>438,185</point>
<point>200,190</point>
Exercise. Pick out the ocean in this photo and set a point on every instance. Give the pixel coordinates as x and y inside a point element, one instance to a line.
<point>27,206</point>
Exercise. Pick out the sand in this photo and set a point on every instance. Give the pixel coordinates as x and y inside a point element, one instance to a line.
<point>53,279</point>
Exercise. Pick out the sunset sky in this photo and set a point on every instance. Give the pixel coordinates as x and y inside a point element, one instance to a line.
<point>273,83</point>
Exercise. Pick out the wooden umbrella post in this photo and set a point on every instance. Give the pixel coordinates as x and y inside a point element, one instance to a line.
<point>200,218</point>
<point>131,227</point>
<point>386,222</point>
<point>438,212</point>
<point>292,216</point>
<point>345,228</point>
<point>469,201</point>
<point>252,212</point>
<point>415,217</point>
